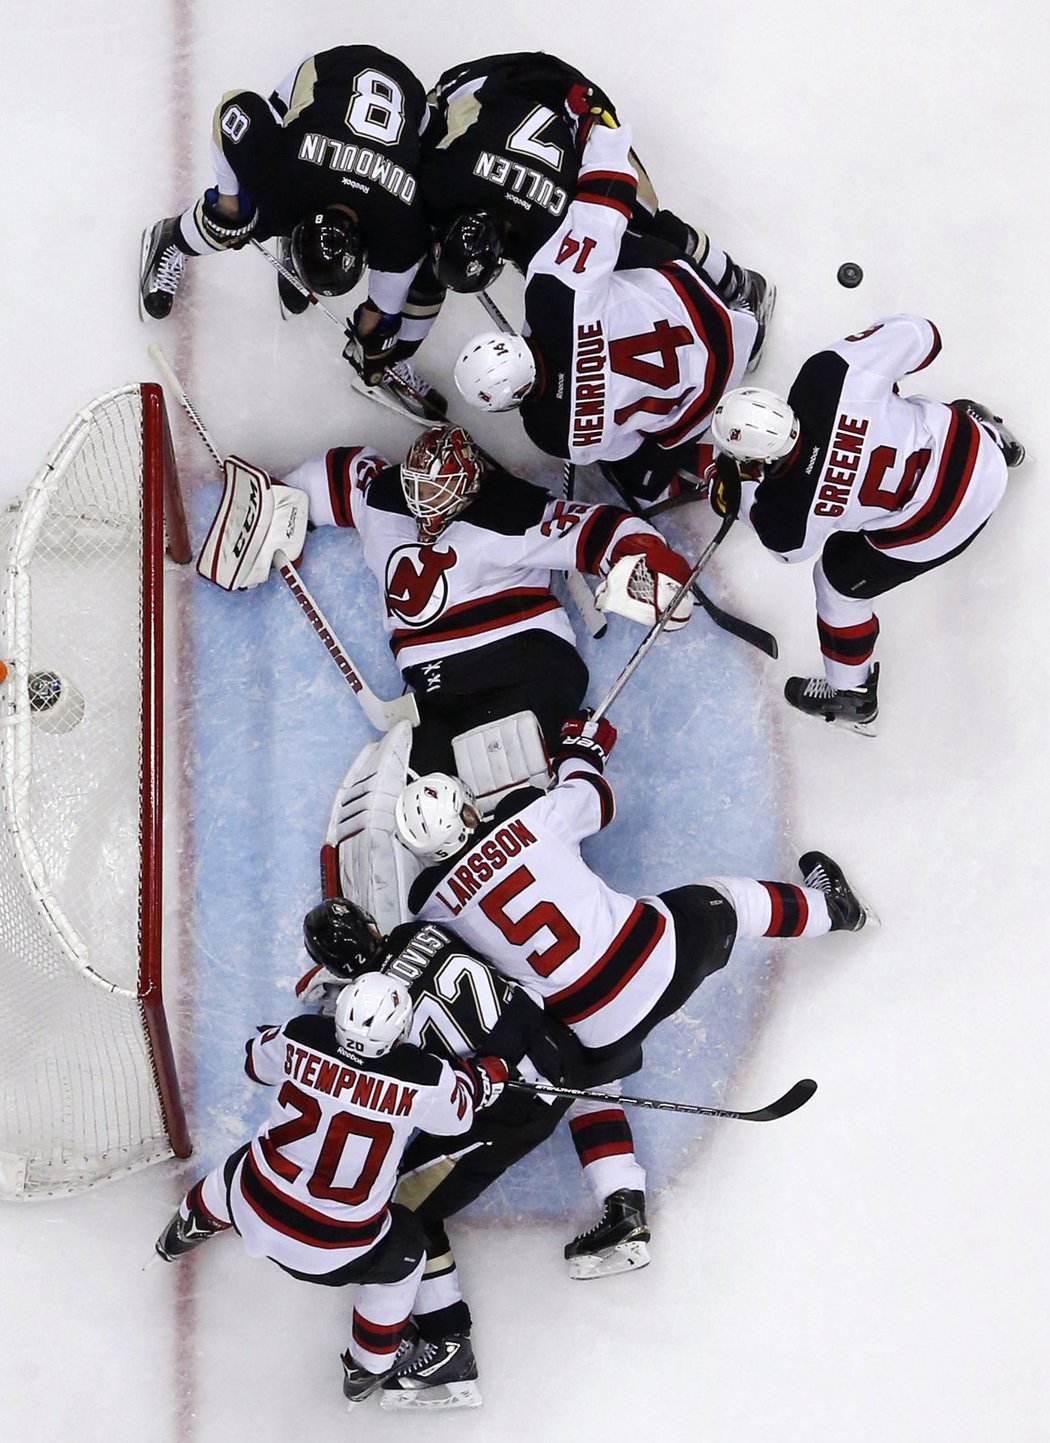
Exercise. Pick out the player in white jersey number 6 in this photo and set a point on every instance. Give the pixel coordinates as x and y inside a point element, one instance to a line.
<point>608,965</point>
<point>312,1190</point>
<point>883,486</point>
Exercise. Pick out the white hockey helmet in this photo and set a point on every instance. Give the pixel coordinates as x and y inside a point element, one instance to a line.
<point>372,1014</point>
<point>751,424</point>
<point>496,371</point>
<point>429,816</point>
<point>440,476</point>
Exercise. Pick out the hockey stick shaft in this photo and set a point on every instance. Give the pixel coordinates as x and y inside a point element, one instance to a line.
<point>582,595</point>
<point>495,314</point>
<point>661,621</point>
<point>358,381</point>
<point>382,714</point>
<point>793,1099</point>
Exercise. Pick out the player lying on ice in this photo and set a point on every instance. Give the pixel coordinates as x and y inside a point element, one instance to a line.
<point>884,487</point>
<point>312,1190</point>
<point>464,553</point>
<point>627,348</point>
<point>462,1007</point>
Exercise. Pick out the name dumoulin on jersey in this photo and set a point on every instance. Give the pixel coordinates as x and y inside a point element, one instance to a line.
<point>917,477</point>
<point>488,574</point>
<point>624,352</point>
<point>312,1189</point>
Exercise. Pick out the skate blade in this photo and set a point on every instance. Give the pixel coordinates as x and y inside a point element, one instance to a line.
<point>771,300</point>
<point>442,1396</point>
<point>624,1258</point>
<point>143,252</point>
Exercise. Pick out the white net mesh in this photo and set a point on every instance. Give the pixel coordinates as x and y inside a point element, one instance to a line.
<point>77,1094</point>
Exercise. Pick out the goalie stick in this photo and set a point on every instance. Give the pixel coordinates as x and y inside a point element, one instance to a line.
<point>755,636</point>
<point>793,1099</point>
<point>357,381</point>
<point>382,714</point>
<point>661,621</point>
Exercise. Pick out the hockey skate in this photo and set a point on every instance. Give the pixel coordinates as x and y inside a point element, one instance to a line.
<point>161,265</point>
<point>745,290</point>
<point>405,385</point>
<point>293,301</point>
<point>848,912</point>
<point>442,1374</point>
<point>1013,451</point>
<point>816,696</point>
<point>359,1383</point>
<point>616,1244</point>
<point>182,1235</point>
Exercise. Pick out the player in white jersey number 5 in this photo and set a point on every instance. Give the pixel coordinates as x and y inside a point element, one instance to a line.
<point>883,486</point>
<point>608,965</point>
<point>312,1190</point>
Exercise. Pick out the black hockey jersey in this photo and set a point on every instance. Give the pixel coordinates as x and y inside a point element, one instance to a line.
<point>502,140</point>
<point>344,128</point>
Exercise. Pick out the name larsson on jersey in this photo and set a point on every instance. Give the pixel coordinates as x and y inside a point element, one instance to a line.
<point>481,865</point>
<point>588,410</point>
<point>377,1094</point>
<point>525,185</point>
<point>359,160</point>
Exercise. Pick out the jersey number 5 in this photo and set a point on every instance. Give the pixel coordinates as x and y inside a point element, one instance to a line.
<point>542,915</point>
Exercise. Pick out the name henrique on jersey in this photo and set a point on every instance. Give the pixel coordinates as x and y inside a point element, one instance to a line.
<point>342,129</point>
<point>917,477</point>
<point>311,1191</point>
<point>488,574</point>
<point>500,141</point>
<point>624,352</point>
<point>524,897</point>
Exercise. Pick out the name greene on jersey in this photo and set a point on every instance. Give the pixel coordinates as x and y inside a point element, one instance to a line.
<point>847,446</point>
<point>323,1074</point>
<point>481,865</point>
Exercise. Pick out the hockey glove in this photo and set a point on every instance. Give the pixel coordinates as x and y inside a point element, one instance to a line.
<point>373,351</point>
<point>642,580</point>
<point>486,1076</point>
<point>223,231</point>
<point>588,106</point>
<point>591,740</point>
<point>723,481</point>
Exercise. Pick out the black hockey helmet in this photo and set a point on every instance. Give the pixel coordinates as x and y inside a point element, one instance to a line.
<point>341,936</point>
<point>469,256</point>
<point>327,251</point>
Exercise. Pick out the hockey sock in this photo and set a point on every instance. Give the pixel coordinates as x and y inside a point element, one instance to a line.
<point>773,909</point>
<point>604,1145</point>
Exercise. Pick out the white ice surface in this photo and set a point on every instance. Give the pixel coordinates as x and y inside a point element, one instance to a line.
<point>874,1268</point>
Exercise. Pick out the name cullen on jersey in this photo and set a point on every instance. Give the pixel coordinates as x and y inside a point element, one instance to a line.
<point>521,181</point>
<point>481,865</point>
<point>358,160</point>
<point>377,1094</point>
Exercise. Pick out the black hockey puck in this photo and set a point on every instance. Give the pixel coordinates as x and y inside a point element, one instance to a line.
<point>849,275</point>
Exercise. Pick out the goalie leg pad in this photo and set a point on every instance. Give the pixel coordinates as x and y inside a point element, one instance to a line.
<point>500,756</point>
<point>255,520</point>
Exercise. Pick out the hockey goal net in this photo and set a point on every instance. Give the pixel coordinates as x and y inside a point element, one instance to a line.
<point>88,1088</point>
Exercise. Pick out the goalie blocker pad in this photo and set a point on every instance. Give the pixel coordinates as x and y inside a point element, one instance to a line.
<point>500,756</point>
<point>633,590</point>
<point>255,520</point>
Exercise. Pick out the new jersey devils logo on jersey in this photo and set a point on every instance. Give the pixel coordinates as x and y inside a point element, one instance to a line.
<point>417,584</point>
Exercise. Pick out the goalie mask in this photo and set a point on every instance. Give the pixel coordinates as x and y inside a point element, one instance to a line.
<point>341,936</point>
<point>430,816</point>
<point>373,1014</point>
<point>496,371</point>
<point>440,476</point>
<point>751,424</point>
<point>469,256</point>
<point>327,252</point>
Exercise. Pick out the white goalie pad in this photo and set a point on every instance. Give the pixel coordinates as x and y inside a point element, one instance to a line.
<point>631,589</point>
<point>256,519</point>
<point>362,857</point>
<point>499,756</point>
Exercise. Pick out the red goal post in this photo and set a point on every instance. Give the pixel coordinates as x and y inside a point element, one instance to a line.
<point>88,1087</point>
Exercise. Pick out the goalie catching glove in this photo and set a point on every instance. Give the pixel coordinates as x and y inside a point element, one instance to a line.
<point>642,581</point>
<point>591,740</point>
<point>255,521</point>
<point>486,1077</point>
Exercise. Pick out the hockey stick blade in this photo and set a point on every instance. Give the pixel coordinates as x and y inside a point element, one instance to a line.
<point>793,1099</point>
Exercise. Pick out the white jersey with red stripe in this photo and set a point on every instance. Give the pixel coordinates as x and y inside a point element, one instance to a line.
<point>523,896</point>
<point>488,574</point>
<point>312,1189</point>
<point>631,342</point>
<point>916,476</point>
